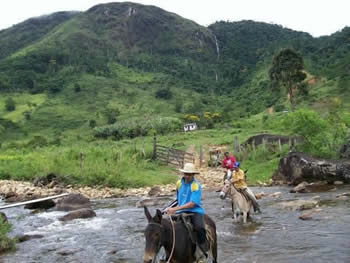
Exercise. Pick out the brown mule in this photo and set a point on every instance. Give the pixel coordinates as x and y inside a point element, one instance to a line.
<point>159,233</point>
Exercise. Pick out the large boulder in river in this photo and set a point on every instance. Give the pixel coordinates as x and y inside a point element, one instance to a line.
<point>73,202</point>
<point>299,204</point>
<point>80,213</point>
<point>298,167</point>
<point>46,204</point>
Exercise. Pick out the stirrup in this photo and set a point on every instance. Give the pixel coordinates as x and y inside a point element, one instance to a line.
<point>200,254</point>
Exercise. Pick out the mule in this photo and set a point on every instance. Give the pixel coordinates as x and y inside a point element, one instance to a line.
<point>240,205</point>
<point>159,233</point>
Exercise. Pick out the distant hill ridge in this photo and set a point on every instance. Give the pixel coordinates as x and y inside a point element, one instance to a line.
<point>137,49</point>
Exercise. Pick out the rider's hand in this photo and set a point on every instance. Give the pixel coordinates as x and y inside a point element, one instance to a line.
<point>170,210</point>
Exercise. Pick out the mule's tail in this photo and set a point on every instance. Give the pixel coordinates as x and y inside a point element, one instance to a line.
<point>211,237</point>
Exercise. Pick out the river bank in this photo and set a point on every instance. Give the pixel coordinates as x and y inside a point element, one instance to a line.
<point>210,179</point>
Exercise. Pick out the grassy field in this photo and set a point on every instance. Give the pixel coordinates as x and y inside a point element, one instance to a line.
<point>124,163</point>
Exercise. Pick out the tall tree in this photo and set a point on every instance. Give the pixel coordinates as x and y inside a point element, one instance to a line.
<point>287,71</point>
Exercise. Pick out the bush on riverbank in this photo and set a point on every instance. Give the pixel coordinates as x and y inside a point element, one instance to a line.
<point>6,243</point>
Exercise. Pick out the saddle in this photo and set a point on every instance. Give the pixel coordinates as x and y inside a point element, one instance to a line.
<point>245,194</point>
<point>186,220</point>
<point>256,206</point>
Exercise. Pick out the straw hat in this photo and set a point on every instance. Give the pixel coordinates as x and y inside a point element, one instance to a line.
<point>189,169</point>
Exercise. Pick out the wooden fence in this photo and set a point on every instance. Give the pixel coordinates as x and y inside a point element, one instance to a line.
<point>264,141</point>
<point>171,156</point>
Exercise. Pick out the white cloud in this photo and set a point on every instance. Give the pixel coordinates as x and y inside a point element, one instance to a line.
<point>317,17</point>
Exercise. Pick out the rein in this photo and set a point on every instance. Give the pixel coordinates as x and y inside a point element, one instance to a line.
<point>173,248</point>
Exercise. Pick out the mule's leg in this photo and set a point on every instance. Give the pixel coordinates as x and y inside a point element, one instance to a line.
<point>244,217</point>
<point>233,209</point>
<point>236,216</point>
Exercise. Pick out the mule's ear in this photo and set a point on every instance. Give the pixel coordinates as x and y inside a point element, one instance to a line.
<point>148,215</point>
<point>158,216</point>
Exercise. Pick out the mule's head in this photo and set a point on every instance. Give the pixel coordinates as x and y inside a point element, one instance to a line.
<point>225,189</point>
<point>153,235</point>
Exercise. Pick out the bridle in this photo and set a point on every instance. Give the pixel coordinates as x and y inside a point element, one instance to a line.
<point>161,241</point>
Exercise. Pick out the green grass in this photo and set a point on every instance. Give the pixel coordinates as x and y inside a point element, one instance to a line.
<point>101,163</point>
<point>114,163</point>
<point>260,171</point>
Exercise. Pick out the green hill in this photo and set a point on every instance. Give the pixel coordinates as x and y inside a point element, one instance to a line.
<point>69,72</point>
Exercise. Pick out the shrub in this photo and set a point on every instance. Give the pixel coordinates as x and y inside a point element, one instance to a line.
<point>164,93</point>
<point>138,127</point>
<point>92,123</point>
<point>77,87</point>
<point>322,136</point>
<point>6,243</point>
<point>37,141</point>
<point>10,104</point>
<point>27,115</point>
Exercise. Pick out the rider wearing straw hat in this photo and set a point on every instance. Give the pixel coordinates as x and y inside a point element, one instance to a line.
<point>189,195</point>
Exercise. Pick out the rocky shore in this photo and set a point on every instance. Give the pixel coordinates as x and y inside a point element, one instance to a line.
<point>14,191</point>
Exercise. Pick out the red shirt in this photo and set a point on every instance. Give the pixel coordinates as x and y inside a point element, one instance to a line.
<point>228,162</point>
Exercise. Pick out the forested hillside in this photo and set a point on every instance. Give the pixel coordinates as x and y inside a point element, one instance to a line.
<point>73,71</point>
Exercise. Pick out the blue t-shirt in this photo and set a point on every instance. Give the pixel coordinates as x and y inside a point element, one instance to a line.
<point>189,192</point>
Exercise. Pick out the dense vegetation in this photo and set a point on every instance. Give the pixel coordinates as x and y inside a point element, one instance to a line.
<point>104,79</point>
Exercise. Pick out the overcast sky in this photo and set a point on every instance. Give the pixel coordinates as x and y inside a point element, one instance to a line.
<point>317,17</point>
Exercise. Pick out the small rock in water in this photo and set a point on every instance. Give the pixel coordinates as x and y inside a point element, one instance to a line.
<point>316,197</point>
<point>24,238</point>
<point>343,194</point>
<point>66,252</point>
<point>306,216</point>
<point>80,213</point>
<point>112,252</point>
<point>277,194</point>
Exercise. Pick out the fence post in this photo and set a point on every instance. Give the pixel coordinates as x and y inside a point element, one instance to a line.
<point>253,145</point>
<point>236,145</point>
<point>143,148</point>
<point>154,157</point>
<point>264,144</point>
<point>81,162</point>
<point>168,157</point>
<point>217,158</point>
<point>200,155</point>
<point>279,145</point>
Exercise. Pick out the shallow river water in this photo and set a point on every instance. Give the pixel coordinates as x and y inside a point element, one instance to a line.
<point>116,233</point>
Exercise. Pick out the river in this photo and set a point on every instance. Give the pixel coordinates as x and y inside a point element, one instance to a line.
<point>116,233</point>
